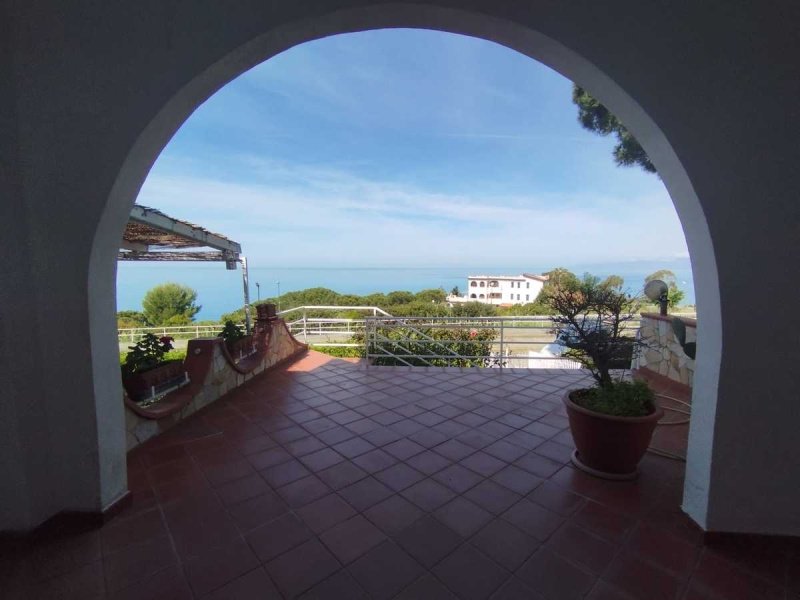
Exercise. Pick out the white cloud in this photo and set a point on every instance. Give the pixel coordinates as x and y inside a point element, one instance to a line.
<point>294,215</point>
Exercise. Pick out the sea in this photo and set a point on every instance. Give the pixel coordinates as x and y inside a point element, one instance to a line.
<point>220,291</point>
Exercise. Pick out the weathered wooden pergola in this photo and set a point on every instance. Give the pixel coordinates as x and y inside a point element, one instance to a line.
<point>151,235</point>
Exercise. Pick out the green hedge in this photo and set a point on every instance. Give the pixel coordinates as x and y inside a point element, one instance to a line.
<point>462,341</point>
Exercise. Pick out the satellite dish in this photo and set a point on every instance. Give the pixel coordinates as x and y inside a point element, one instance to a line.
<point>655,290</point>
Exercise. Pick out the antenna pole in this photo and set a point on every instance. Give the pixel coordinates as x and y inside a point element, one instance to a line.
<point>246,286</point>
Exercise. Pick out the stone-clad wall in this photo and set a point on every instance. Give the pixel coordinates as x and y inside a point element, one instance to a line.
<point>213,373</point>
<point>663,354</point>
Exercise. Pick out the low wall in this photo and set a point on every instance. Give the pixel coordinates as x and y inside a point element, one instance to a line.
<point>212,374</point>
<point>663,354</point>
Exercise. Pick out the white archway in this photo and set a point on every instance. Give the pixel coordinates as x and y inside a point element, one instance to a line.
<point>522,39</point>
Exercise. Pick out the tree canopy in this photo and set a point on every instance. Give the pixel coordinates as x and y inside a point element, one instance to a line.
<point>130,319</point>
<point>170,304</point>
<point>595,117</point>
<point>399,297</point>
<point>561,277</point>
<point>613,282</point>
<point>437,295</point>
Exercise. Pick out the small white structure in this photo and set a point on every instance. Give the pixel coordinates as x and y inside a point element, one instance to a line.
<point>502,289</point>
<point>548,358</point>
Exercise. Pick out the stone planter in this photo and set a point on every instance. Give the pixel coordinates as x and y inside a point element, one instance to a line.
<point>167,375</point>
<point>241,348</point>
<point>608,446</point>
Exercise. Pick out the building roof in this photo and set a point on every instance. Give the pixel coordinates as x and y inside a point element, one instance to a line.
<point>522,277</point>
<point>537,277</point>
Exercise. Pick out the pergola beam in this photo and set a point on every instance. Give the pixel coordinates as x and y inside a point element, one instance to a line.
<point>158,220</point>
<point>177,256</point>
<point>133,246</point>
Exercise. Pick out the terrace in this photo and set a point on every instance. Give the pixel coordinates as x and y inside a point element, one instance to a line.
<point>326,479</point>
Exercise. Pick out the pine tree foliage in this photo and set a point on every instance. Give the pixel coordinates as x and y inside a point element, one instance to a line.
<point>593,116</point>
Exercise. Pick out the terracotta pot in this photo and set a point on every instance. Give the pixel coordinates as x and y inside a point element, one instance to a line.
<point>241,348</point>
<point>139,385</point>
<point>609,446</point>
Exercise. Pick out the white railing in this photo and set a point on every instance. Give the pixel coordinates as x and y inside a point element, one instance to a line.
<point>132,334</point>
<point>373,309</point>
<point>329,332</point>
<point>305,326</point>
<point>515,341</point>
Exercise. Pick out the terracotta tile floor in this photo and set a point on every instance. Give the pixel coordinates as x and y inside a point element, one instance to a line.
<point>328,480</point>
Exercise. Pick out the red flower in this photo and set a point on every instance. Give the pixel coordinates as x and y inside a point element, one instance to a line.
<point>473,333</point>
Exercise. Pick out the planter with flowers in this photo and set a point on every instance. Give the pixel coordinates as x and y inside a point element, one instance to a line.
<point>147,374</point>
<point>613,421</point>
<point>239,344</point>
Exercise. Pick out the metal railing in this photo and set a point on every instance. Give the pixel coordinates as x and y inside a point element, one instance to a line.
<point>510,342</point>
<point>329,332</point>
<point>516,343</point>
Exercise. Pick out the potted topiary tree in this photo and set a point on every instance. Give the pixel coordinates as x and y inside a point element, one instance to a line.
<point>239,344</point>
<point>613,421</point>
<point>146,372</point>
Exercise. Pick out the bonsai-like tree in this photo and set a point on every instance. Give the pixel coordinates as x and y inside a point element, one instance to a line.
<point>592,319</point>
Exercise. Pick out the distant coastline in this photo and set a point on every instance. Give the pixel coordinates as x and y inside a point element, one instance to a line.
<point>220,291</point>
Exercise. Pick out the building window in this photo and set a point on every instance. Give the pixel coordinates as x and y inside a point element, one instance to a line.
<point>527,297</point>
<point>483,284</point>
<point>517,296</point>
<point>473,284</point>
<point>473,296</point>
<point>528,285</point>
<point>481,296</point>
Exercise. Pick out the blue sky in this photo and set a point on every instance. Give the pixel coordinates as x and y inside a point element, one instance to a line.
<point>408,148</point>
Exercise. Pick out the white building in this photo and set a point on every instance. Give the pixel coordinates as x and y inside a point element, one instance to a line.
<point>502,289</point>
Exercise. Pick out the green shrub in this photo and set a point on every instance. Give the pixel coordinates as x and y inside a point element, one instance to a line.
<point>407,343</point>
<point>231,332</point>
<point>621,399</point>
<point>176,354</point>
<point>147,353</point>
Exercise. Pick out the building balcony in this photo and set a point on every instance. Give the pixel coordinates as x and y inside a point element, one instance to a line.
<point>333,480</point>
